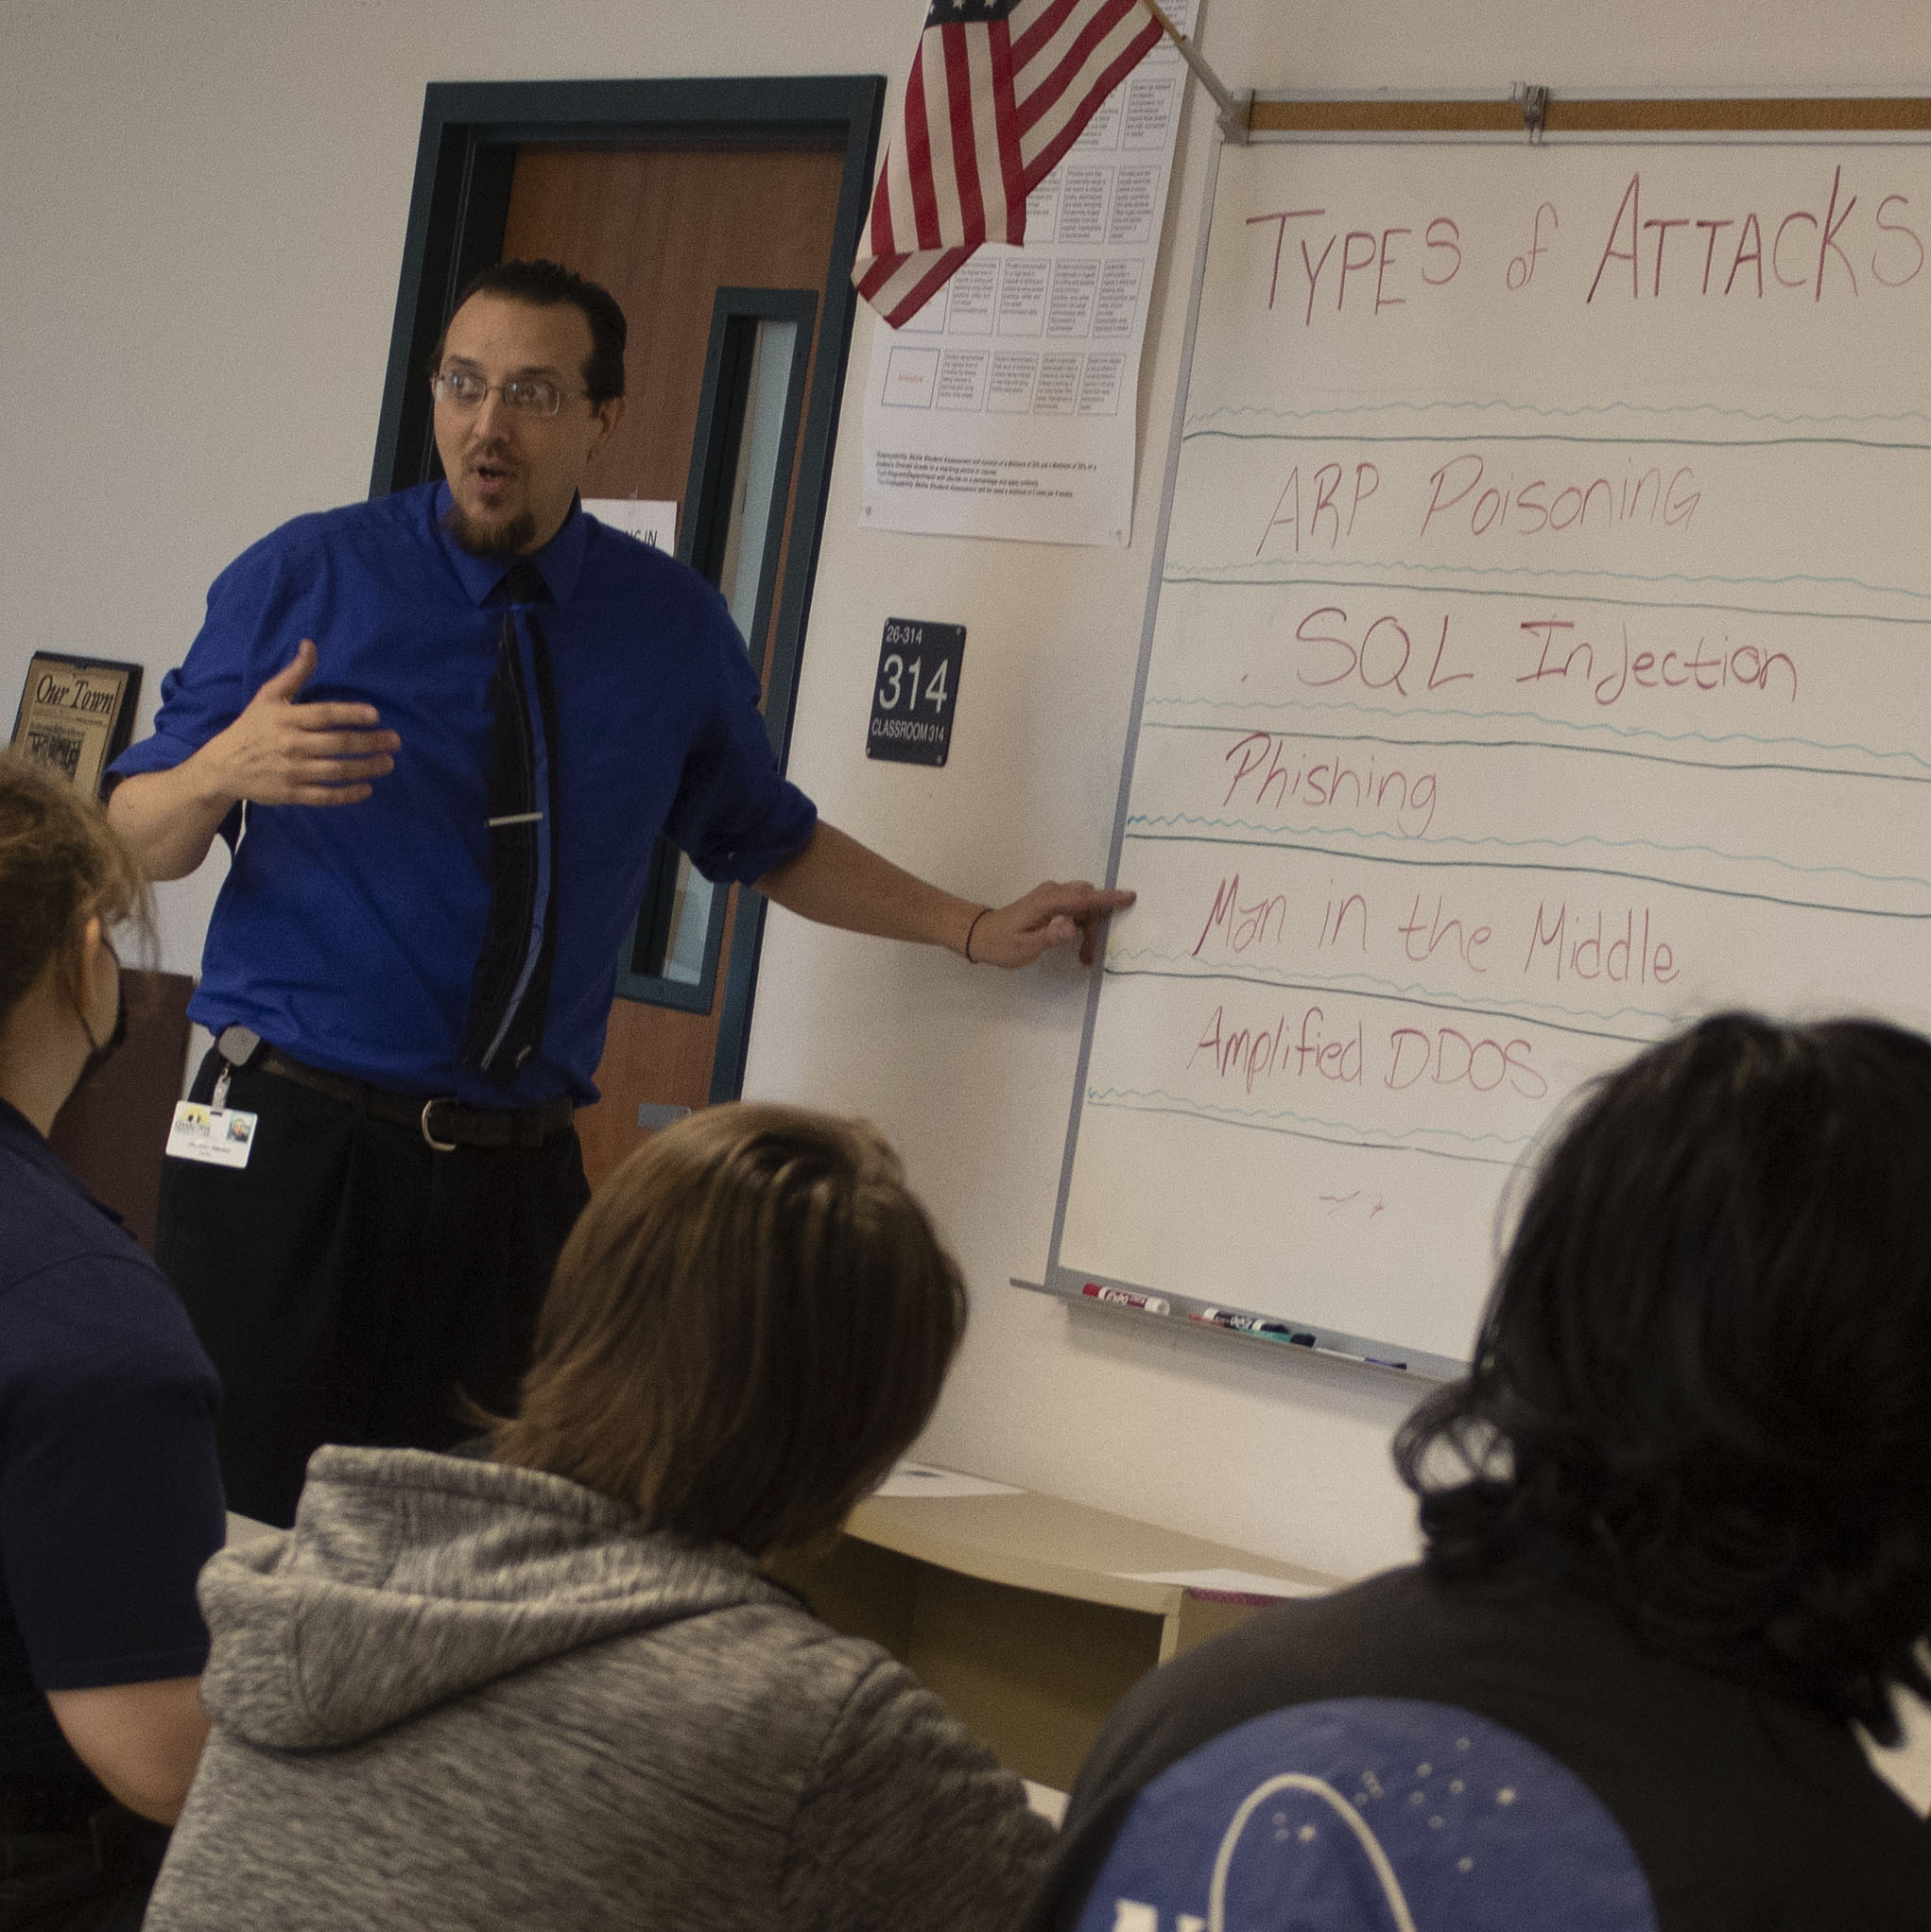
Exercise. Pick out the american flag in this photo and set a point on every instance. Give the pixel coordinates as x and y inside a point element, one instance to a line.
<point>999,90</point>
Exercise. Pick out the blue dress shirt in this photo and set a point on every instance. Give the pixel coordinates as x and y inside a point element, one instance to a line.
<point>347,935</point>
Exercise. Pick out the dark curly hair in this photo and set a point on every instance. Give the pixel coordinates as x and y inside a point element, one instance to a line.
<point>1702,1385</point>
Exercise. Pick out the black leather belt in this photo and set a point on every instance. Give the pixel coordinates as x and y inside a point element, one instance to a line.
<point>445,1124</point>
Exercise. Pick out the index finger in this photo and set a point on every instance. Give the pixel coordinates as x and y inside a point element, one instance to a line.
<point>320,717</point>
<point>1086,901</point>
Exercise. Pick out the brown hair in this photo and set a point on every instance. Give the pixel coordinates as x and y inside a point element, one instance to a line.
<point>60,865</point>
<point>750,1321</point>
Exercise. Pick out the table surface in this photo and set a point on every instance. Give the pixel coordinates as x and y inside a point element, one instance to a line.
<point>1038,1541</point>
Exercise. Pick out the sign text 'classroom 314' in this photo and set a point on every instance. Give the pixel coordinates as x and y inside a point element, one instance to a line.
<point>916,691</point>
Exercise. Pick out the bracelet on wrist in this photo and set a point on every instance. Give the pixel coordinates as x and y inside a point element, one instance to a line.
<point>971,930</point>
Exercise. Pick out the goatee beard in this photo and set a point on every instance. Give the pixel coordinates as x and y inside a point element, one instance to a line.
<point>488,539</point>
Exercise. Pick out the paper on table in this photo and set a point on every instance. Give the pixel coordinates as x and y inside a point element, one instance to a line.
<point>1240,1583</point>
<point>1048,1801</point>
<point>923,1479</point>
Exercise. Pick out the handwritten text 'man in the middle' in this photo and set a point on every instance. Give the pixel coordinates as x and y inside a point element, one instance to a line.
<point>1626,944</point>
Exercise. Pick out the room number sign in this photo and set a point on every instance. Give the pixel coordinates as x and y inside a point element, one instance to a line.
<point>916,691</point>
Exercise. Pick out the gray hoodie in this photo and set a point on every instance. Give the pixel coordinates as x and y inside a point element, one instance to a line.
<point>458,1695</point>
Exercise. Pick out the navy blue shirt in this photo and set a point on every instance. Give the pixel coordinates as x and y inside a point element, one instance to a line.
<point>110,1492</point>
<point>347,935</point>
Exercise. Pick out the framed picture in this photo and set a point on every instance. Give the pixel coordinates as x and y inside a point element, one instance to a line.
<point>76,716</point>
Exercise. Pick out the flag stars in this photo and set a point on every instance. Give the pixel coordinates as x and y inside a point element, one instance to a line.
<point>960,12</point>
<point>1506,1795</point>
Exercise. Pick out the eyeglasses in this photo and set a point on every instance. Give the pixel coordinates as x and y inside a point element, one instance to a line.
<point>528,395</point>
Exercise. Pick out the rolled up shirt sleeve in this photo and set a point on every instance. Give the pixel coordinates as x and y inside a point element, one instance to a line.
<point>734,813</point>
<point>212,687</point>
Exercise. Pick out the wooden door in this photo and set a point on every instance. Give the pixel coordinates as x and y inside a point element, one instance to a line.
<point>664,228</point>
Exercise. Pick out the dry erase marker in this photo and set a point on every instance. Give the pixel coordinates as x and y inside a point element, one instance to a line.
<point>1314,1348</point>
<point>1125,1297</point>
<point>1251,1325</point>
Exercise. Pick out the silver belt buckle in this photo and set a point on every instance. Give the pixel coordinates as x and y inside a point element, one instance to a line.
<point>441,1147</point>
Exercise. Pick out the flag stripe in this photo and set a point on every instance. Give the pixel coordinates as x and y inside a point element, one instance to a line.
<point>1057,37</point>
<point>980,110</point>
<point>1044,18</point>
<point>1071,83</point>
<point>1013,185</point>
<point>1042,145</point>
<point>924,201</point>
<point>931,272</point>
<point>960,171</point>
<point>893,187</point>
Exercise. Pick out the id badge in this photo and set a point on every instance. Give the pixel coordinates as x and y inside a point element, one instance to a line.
<point>219,1136</point>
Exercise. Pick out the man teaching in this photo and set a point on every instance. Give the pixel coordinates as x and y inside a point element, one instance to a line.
<point>441,732</point>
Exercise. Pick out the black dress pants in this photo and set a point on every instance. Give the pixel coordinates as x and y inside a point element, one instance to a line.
<point>353,1283</point>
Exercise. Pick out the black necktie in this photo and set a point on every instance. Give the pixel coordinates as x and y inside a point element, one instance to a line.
<point>510,992</point>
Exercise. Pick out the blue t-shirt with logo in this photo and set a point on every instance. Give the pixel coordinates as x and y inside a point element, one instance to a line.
<point>1369,1812</point>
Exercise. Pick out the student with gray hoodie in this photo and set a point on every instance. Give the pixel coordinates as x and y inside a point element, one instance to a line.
<point>551,1684</point>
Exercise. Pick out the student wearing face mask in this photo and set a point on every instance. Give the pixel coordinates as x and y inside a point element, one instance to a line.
<point>110,1489</point>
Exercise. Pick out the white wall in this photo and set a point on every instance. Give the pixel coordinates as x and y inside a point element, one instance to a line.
<point>202,216</point>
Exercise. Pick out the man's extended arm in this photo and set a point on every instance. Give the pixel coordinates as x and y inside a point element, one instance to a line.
<point>838,882</point>
<point>276,753</point>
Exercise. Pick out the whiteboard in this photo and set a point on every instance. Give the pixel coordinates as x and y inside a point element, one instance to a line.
<point>1540,655</point>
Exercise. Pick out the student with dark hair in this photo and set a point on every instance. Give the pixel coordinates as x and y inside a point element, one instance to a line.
<point>110,1498</point>
<point>453,723</point>
<point>1678,1519</point>
<point>552,1684</point>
